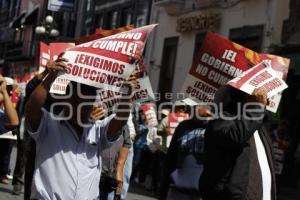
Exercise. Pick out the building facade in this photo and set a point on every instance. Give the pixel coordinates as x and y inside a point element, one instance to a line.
<point>256,24</point>
<point>271,26</point>
<point>110,14</point>
<point>19,40</point>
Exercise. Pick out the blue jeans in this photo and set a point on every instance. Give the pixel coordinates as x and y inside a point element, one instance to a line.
<point>127,173</point>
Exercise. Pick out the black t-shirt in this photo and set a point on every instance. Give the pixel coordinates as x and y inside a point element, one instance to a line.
<point>183,165</point>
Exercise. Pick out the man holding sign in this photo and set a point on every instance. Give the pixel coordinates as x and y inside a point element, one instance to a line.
<point>239,162</point>
<point>67,160</point>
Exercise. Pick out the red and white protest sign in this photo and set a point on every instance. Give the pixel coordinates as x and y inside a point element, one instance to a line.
<point>142,93</point>
<point>281,66</point>
<point>214,67</point>
<point>150,114</point>
<point>101,33</point>
<point>51,52</point>
<point>173,121</point>
<point>259,76</point>
<point>44,56</point>
<point>105,63</point>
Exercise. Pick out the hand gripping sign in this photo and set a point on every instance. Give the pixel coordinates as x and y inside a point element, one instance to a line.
<point>51,52</point>
<point>259,76</point>
<point>107,62</point>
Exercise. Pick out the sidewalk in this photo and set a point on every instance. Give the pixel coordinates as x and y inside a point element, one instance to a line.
<point>135,193</point>
<point>5,193</point>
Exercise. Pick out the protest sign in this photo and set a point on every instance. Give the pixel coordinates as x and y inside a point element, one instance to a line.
<point>259,76</point>
<point>51,52</point>
<point>281,66</point>
<point>173,121</point>
<point>105,63</point>
<point>44,56</point>
<point>214,67</point>
<point>142,93</point>
<point>217,62</point>
<point>101,33</point>
<point>150,114</point>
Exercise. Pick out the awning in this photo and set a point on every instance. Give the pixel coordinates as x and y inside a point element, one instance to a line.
<point>31,17</point>
<point>16,23</point>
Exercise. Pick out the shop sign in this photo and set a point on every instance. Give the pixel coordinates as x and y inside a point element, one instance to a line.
<point>200,22</point>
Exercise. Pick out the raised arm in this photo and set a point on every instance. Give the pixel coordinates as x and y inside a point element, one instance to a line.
<point>12,120</point>
<point>34,82</point>
<point>39,96</point>
<point>237,132</point>
<point>122,113</point>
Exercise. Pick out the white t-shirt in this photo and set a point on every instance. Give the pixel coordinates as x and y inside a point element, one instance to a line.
<point>264,166</point>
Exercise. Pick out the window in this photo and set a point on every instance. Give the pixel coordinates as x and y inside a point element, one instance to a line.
<point>98,21</point>
<point>114,19</point>
<point>248,36</point>
<point>167,67</point>
<point>126,17</point>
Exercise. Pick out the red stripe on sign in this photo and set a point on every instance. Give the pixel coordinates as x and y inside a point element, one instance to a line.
<point>248,76</point>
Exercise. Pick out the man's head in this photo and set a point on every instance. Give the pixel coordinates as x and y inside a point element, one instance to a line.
<point>180,107</point>
<point>81,99</point>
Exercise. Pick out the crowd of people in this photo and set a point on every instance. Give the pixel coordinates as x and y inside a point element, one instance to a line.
<point>74,148</point>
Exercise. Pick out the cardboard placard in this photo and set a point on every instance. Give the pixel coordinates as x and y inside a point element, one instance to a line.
<point>220,60</point>
<point>259,76</point>
<point>173,121</point>
<point>143,93</point>
<point>150,114</point>
<point>105,63</point>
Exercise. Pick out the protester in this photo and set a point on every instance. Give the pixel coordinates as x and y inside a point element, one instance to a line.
<point>29,143</point>
<point>165,130</point>
<point>67,162</point>
<point>297,166</point>
<point>238,153</point>
<point>280,142</point>
<point>156,157</point>
<point>129,161</point>
<point>18,100</point>
<point>8,121</point>
<point>113,163</point>
<point>184,160</point>
<point>139,170</point>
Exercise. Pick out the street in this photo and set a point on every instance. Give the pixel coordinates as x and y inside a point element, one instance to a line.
<point>135,193</point>
<point>5,194</point>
